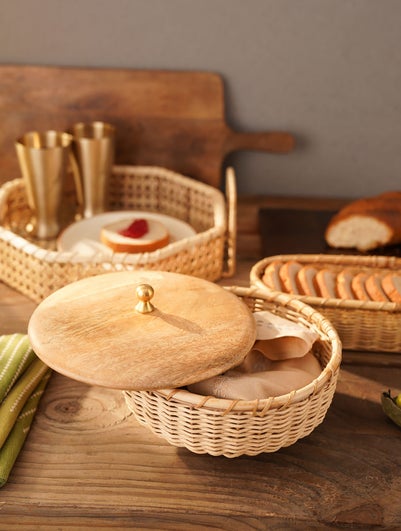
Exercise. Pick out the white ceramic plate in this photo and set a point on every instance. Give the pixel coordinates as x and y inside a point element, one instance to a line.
<point>83,237</point>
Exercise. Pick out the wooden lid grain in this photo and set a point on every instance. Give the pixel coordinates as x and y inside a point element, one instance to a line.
<point>91,331</point>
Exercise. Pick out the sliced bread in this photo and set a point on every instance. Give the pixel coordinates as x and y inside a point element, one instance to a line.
<point>391,283</point>
<point>326,284</point>
<point>288,275</point>
<point>306,279</point>
<point>155,236</point>
<point>344,284</point>
<point>375,289</point>
<point>271,276</point>
<point>359,286</point>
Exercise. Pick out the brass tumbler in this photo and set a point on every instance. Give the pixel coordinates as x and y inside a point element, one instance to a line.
<point>94,152</point>
<point>44,159</point>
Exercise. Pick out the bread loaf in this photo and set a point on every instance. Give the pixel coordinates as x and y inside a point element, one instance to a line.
<point>155,237</point>
<point>367,224</point>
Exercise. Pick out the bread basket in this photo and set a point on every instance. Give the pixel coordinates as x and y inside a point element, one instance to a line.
<point>36,271</point>
<point>238,427</point>
<point>362,325</point>
<point>202,424</point>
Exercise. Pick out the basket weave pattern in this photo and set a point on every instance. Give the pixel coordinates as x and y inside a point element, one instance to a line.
<point>37,272</point>
<point>362,325</point>
<point>236,427</point>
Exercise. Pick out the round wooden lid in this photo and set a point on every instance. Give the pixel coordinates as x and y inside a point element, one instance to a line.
<point>94,331</point>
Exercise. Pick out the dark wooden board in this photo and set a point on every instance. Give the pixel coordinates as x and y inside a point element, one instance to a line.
<point>290,231</point>
<point>301,231</point>
<point>163,118</point>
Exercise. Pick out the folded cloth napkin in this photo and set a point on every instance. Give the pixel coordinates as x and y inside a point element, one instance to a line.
<point>281,361</point>
<point>280,338</point>
<point>23,378</point>
<point>278,378</point>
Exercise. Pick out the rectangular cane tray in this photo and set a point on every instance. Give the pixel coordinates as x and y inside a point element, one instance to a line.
<point>362,325</point>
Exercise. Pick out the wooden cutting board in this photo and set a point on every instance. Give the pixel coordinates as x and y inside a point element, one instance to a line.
<point>171,119</point>
<point>93,331</point>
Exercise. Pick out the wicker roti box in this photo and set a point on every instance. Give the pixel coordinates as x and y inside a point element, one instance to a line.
<point>152,357</point>
<point>238,427</point>
<point>364,325</point>
<point>210,253</point>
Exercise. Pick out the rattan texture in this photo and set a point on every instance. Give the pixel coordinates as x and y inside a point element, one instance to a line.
<point>237,427</point>
<point>36,272</point>
<point>362,325</point>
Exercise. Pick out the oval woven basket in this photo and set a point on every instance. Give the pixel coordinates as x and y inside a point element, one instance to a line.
<point>205,424</point>
<point>363,325</point>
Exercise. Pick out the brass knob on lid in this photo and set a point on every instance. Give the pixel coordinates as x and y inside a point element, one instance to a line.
<point>144,292</point>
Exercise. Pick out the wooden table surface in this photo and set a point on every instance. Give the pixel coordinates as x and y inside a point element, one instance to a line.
<point>87,463</point>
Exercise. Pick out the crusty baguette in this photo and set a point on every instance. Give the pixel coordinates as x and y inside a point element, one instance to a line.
<point>326,283</point>
<point>393,194</point>
<point>306,280</point>
<point>374,288</point>
<point>367,223</point>
<point>344,284</point>
<point>288,275</point>
<point>391,283</point>
<point>156,237</point>
<point>359,286</point>
<point>271,276</point>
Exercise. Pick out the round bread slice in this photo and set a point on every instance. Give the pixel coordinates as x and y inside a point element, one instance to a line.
<point>155,238</point>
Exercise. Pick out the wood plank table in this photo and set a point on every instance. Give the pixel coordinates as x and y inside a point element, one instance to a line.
<point>87,463</point>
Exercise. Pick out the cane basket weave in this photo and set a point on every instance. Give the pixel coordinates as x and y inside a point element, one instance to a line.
<point>210,253</point>
<point>362,325</point>
<point>215,426</point>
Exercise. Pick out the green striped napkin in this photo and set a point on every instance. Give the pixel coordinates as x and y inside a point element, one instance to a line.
<point>23,378</point>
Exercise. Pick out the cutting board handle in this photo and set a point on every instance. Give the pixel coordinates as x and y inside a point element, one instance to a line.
<point>273,142</point>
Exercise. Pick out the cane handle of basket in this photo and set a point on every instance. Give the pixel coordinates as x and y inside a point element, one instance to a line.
<point>144,292</point>
<point>231,235</point>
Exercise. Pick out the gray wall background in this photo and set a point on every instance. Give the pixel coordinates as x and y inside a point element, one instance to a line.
<point>328,71</point>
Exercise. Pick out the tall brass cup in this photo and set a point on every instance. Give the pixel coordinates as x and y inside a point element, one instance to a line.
<point>93,145</point>
<point>44,159</point>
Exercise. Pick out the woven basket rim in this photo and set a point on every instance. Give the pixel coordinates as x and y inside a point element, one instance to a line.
<point>260,406</point>
<point>376,262</point>
<point>51,256</point>
<point>54,256</point>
